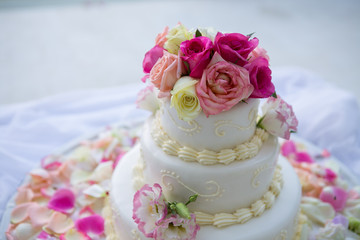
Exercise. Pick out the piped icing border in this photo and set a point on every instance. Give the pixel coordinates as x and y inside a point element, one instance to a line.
<point>243,215</point>
<point>242,151</point>
<point>107,213</point>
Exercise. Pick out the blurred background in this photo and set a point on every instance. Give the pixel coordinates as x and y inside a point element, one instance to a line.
<point>50,47</point>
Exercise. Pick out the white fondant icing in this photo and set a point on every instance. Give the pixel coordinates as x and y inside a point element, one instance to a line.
<point>216,132</point>
<point>209,191</point>
<point>235,178</point>
<point>270,225</point>
<point>243,151</point>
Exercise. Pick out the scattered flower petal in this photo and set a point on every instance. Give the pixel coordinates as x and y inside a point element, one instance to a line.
<point>24,195</point>
<point>316,210</point>
<point>79,176</point>
<point>331,231</point>
<point>62,201</point>
<point>58,224</point>
<point>303,157</point>
<point>335,196</point>
<point>330,175</point>
<point>93,224</point>
<point>20,212</point>
<point>43,235</point>
<point>288,148</point>
<point>102,172</point>
<point>25,231</point>
<point>73,234</point>
<point>50,162</point>
<point>95,191</point>
<point>86,211</point>
<point>39,215</point>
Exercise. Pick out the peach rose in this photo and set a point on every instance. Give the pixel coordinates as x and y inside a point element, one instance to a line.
<point>161,37</point>
<point>164,74</point>
<point>222,86</point>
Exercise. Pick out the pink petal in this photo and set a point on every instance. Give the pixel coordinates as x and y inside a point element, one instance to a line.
<point>58,224</point>
<point>87,210</point>
<point>335,196</point>
<point>50,162</point>
<point>43,235</point>
<point>91,224</point>
<point>47,192</point>
<point>303,157</point>
<point>21,212</point>
<point>9,232</point>
<point>330,175</point>
<point>72,234</point>
<point>24,195</point>
<point>143,79</point>
<point>288,148</point>
<point>39,215</point>
<point>325,153</point>
<point>62,201</point>
<point>39,173</point>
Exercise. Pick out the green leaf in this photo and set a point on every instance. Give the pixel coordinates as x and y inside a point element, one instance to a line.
<point>182,210</point>
<point>192,199</point>
<point>274,95</point>
<point>250,35</point>
<point>198,33</point>
<point>187,66</point>
<point>259,125</point>
<point>354,225</point>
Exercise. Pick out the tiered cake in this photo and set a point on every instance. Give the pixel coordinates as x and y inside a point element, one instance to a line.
<point>207,166</point>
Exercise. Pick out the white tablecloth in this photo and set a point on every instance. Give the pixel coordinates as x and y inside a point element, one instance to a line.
<point>328,117</point>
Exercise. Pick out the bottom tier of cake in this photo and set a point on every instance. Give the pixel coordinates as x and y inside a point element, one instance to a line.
<point>278,222</point>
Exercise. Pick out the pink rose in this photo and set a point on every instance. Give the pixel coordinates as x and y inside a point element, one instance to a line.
<point>279,118</point>
<point>221,86</point>
<point>149,209</point>
<point>151,58</point>
<point>260,78</point>
<point>197,53</point>
<point>161,37</point>
<point>235,47</point>
<point>164,73</point>
<point>258,52</point>
<point>176,227</point>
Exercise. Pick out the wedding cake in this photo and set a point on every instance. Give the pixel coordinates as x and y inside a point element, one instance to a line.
<point>207,165</point>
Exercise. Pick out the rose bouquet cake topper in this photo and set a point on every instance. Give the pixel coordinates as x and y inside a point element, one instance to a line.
<point>207,71</point>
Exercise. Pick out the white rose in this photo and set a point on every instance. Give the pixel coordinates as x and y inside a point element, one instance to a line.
<point>184,99</point>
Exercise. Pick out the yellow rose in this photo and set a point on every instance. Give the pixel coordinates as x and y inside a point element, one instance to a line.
<point>175,37</point>
<point>184,99</point>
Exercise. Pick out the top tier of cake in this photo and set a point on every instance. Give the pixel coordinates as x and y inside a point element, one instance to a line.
<point>215,132</point>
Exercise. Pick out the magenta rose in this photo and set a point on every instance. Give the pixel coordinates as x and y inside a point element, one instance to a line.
<point>260,78</point>
<point>151,58</point>
<point>235,47</point>
<point>197,53</point>
<point>221,86</point>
